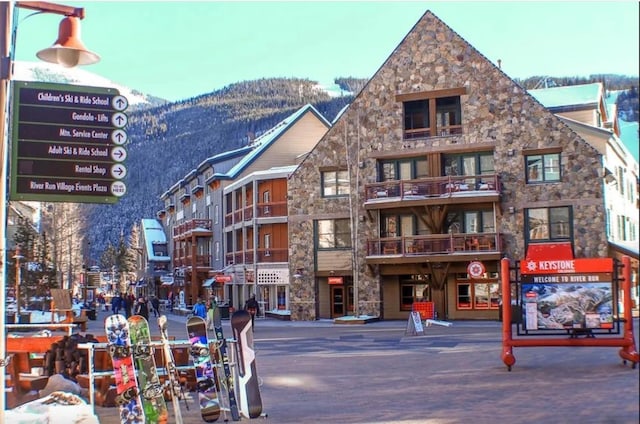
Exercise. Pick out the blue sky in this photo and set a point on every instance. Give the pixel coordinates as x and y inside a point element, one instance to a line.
<point>176,50</point>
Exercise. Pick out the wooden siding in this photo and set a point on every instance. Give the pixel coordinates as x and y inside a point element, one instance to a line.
<point>334,260</point>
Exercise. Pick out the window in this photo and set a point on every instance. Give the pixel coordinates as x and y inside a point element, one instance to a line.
<point>543,168</point>
<point>408,169</point>
<point>414,289</point>
<point>544,224</point>
<point>468,164</point>
<point>429,117</point>
<point>397,225</point>
<point>216,250</point>
<point>335,183</point>
<point>478,295</point>
<point>333,234</point>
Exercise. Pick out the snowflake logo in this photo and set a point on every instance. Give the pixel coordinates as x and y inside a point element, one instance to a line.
<point>531,266</point>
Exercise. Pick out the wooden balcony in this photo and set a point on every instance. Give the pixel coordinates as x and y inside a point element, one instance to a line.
<point>408,249</point>
<point>201,261</point>
<point>452,189</point>
<point>199,226</point>
<point>414,133</point>
<point>264,255</point>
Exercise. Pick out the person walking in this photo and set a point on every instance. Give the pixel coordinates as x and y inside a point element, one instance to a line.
<point>253,307</point>
<point>211,308</point>
<point>115,304</point>
<point>155,306</point>
<point>199,309</point>
<point>141,308</point>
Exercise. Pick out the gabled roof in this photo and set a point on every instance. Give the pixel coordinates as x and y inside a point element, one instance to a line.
<point>573,95</point>
<point>263,142</point>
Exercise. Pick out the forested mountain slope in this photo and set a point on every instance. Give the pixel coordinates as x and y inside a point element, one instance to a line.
<point>166,142</point>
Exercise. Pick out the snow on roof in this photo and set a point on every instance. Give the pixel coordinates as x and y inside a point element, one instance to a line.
<point>572,95</point>
<point>153,233</point>
<point>269,137</point>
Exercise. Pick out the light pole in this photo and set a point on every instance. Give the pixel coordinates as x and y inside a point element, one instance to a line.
<point>16,291</point>
<point>68,51</point>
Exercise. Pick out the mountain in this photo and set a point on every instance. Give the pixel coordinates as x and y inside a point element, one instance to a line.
<point>49,72</point>
<point>168,141</point>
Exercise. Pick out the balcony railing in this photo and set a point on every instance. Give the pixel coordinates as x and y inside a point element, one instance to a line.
<point>194,224</point>
<point>432,187</point>
<point>414,133</point>
<point>264,210</point>
<point>264,255</point>
<point>437,244</point>
<point>200,261</point>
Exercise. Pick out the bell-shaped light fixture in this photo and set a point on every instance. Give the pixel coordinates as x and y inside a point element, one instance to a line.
<point>68,50</point>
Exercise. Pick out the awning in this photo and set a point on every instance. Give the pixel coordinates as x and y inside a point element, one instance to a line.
<point>167,280</point>
<point>208,282</point>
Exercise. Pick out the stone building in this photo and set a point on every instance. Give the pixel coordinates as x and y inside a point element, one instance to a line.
<point>441,161</point>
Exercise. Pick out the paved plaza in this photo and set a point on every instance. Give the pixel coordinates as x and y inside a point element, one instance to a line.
<point>321,372</point>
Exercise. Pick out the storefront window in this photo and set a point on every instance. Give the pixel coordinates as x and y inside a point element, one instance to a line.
<point>413,292</point>
<point>463,299</point>
<point>282,298</point>
<point>478,295</point>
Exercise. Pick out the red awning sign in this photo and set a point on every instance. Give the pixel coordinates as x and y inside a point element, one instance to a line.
<point>335,280</point>
<point>223,278</point>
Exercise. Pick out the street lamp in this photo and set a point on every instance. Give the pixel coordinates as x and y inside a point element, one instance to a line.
<point>16,291</point>
<point>68,51</point>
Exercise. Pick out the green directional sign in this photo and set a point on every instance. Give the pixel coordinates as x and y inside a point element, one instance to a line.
<point>67,143</point>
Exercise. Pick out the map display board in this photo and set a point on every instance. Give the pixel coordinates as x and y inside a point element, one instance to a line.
<point>567,294</point>
<point>67,143</point>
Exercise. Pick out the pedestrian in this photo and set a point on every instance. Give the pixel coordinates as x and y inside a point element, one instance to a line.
<point>155,306</point>
<point>115,304</point>
<point>170,300</point>
<point>129,304</point>
<point>199,309</point>
<point>142,309</point>
<point>211,308</point>
<point>253,307</point>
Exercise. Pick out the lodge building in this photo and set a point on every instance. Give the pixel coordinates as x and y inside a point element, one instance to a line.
<point>440,167</point>
<point>441,161</point>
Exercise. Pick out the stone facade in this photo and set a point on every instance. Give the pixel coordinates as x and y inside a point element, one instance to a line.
<point>497,115</point>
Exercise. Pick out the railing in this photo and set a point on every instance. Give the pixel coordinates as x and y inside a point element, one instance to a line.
<point>186,227</point>
<point>414,133</point>
<point>432,187</point>
<point>200,261</point>
<point>264,255</point>
<point>434,244</point>
<point>266,210</point>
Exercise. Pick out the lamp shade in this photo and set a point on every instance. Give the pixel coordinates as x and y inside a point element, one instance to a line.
<point>68,50</point>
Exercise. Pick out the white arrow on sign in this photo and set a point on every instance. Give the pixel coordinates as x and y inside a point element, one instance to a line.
<point>119,103</point>
<point>119,137</point>
<point>119,154</point>
<point>119,120</point>
<point>118,171</point>
<point>118,188</point>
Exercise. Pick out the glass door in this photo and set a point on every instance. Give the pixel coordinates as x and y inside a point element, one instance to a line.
<point>337,302</point>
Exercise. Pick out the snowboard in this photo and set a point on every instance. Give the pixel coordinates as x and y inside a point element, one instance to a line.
<point>152,393</point>
<point>205,377</point>
<point>248,386</point>
<point>119,344</point>
<point>172,371</point>
<point>221,357</point>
